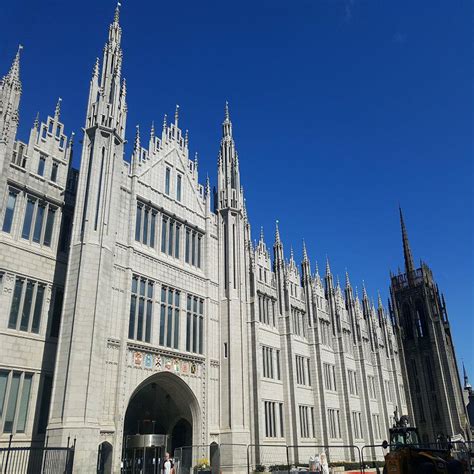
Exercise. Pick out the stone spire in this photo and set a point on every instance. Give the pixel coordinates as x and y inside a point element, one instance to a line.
<point>305,254</point>
<point>348,282</point>
<point>176,116</point>
<point>57,110</point>
<point>409,263</point>
<point>467,385</point>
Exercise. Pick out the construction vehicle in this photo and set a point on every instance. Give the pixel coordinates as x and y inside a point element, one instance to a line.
<point>408,455</point>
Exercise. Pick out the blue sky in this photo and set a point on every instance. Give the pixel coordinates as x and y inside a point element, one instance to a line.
<point>341,110</point>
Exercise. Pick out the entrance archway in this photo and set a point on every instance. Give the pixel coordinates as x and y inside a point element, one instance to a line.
<point>161,416</point>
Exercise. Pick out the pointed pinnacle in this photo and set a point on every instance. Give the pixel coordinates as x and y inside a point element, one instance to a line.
<point>226,112</point>
<point>117,12</point>
<point>292,255</point>
<point>409,263</point>
<point>95,70</point>
<point>176,115</point>
<point>186,138</point>
<point>328,268</point>
<point>152,130</point>
<point>196,161</point>
<point>277,232</point>
<point>379,300</point>
<point>364,291</point>
<point>262,238</point>
<point>36,122</point>
<point>338,283</point>
<point>348,282</point>
<point>165,119</point>
<point>317,269</point>
<point>137,140</point>
<point>14,73</point>
<point>57,110</point>
<point>71,140</point>
<point>305,254</point>
<point>208,186</point>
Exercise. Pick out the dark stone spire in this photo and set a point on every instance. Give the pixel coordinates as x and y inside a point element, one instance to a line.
<point>409,263</point>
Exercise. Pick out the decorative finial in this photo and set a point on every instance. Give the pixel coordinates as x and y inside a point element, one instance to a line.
<point>165,119</point>
<point>277,232</point>
<point>136,147</point>
<point>208,186</point>
<point>152,130</point>
<point>348,282</point>
<point>305,254</point>
<point>186,138</point>
<point>95,70</point>
<point>317,269</point>
<point>57,111</point>
<point>292,255</point>
<point>409,263</point>
<point>379,300</point>
<point>36,123</point>
<point>71,140</point>
<point>364,291</point>
<point>176,115</point>
<point>261,234</point>
<point>196,161</point>
<point>117,12</point>
<point>226,112</point>
<point>328,268</point>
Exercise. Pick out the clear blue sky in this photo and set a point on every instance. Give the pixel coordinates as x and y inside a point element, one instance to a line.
<point>341,110</point>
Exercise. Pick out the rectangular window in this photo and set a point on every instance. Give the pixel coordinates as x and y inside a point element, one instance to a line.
<point>54,172</point>
<point>278,370</point>
<point>164,233</point>
<point>140,320</point>
<point>9,211</point>
<point>167,180</point>
<point>27,301</point>
<point>376,423</point>
<point>304,421</point>
<point>38,223</point>
<point>145,225</point>
<point>48,233</point>
<point>14,402</point>
<point>41,165</point>
<point>195,324</point>
<point>352,378</point>
<point>329,377</point>
<point>357,424</point>
<point>273,419</point>
<point>334,426</point>
<point>169,317</point>
<point>179,180</point>
<point>188,246</point>
<point>371,387</point>
<point>30,208</point>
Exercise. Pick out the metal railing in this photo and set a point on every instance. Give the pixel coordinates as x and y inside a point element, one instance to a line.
<point>36,458</point>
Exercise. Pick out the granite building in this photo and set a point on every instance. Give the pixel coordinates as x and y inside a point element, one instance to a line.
<point>132,300</point>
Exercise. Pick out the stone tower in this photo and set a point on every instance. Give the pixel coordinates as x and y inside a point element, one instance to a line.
<point>78,383</point>
<point>233,271</point>
<point>423,331</point>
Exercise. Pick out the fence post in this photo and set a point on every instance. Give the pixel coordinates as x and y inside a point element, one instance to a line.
<point>8,452</point>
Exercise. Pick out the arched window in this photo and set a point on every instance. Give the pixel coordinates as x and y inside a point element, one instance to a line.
<point>421,323</point>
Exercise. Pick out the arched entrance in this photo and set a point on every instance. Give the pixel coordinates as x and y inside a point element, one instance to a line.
<point>160,417</point>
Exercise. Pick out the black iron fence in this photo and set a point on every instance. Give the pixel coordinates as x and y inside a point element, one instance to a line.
<point>30,457</point>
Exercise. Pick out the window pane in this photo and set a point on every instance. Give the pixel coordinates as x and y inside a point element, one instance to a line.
<point>15,304</point>
<point>23,409</point>
<point>167,181</point>
<point>141,309</point>
<point>153,230</point>
<point>170,243</point>
<point>193,249</point>
<point>145,226</point>
<point>199,252</point>
<point>176,328</point>
<point>3,388</point>
<point>9,212</point>
<point>138,223</point>
<point>187,246</point>
<point>49,227</point>
<point>176,241</point>
<point>195,331</point>
<point>54,172</point>
<point>30,207</point>
<point>200,334</point>
<point>142,287</point>
<point>188,332</point>
<point>150,289</point>
<point>38,223</point>
<point>38,308</point>
<point>162,325</point>
<point>11,407</point>
<point>178,187</point>
<point>134,284</point>
<point>170,327</point>
<point>164,227</point>
<point>149,308</point>
<point>131,322</point>
<point>41,164</point>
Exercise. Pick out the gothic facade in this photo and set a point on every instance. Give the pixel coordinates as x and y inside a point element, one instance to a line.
<point>133,300</point>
